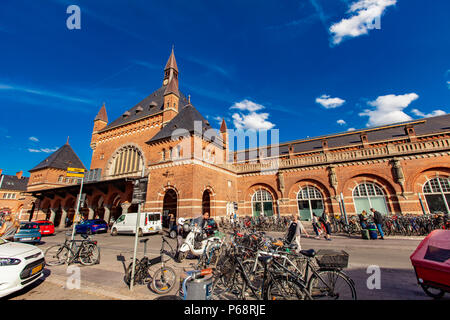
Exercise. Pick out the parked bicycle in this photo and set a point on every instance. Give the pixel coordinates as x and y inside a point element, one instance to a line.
<point>85,251</point>
<point>164,278</point>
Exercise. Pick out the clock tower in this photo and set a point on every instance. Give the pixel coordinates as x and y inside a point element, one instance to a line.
<point>171,70</point>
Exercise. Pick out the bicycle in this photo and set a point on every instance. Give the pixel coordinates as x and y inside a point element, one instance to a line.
<point>164,278</point>
<point>85,251</point>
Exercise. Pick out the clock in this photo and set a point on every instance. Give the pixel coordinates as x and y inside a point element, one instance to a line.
<point>165,81</point>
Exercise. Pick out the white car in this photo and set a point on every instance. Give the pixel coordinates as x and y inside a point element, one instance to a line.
<point>20,265</point>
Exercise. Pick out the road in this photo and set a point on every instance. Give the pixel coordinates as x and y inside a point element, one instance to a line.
<point>105,280</point>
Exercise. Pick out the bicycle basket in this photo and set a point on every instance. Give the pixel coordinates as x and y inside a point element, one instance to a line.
<point>332,259</point>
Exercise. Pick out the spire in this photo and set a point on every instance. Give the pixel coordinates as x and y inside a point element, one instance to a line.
<point>101,115</point>
<point>171,70</point>
<point>223,126</point>
<point>171,63</point>
<point>67,142</point>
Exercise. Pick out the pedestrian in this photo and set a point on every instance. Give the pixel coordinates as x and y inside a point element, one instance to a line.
<point>378,219</point>
<point>363,219</point>
<point>171,221</point>
<point>9,227</point>
<point>315,223</point>
<point>294,232</point>
<point>326,222</point>
<point>179,230</point>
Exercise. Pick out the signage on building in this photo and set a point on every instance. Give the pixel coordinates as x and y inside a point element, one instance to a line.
<point>75,172</point>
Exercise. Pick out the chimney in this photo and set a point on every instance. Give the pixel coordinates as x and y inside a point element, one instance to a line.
<point>19,174</point>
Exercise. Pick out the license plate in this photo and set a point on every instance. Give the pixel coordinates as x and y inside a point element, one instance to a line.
<point>36,269</point>
<point>151,228</point>
<point>26,239</point>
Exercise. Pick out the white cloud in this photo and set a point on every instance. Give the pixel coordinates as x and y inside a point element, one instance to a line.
<point>328,102</point>
<point>434,113</point>
<point>341,122</point>
<point>389,109</point>
<point>33,139</point>
<point>364,14</point>
<point>45,150</point>
<point>252,120</point>
<point>351,129</point>
<point>247,105</point>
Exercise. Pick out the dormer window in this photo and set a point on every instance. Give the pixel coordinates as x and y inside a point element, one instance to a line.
<point>139,109</point>
<point>126,114</point>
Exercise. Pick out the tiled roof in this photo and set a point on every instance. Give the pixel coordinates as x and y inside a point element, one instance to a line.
<point>62,158</point>
<point>189,120</point>
<point>150,105</point>
<point>101,115</point>
<point>388,132</point>
<point>13,183</point>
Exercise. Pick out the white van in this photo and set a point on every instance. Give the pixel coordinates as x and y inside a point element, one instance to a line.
<point>150,223</point>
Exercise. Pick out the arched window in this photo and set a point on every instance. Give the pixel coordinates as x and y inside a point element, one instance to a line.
<point>437,194</point>
<point>127,160</point>
<point>262,203</point>
<point>163,154</point>
<point>309,201</point>
<point>60,178</point>
<point>369,195</point>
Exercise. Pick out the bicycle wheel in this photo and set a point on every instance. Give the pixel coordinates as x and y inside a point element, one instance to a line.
<point>164,280</point>
<point>286,288</point>
<point>89,254</point>
<point>57,255</point>
<point>331,285</point>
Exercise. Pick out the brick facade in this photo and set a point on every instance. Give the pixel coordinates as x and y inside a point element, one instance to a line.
<point>394,162</point>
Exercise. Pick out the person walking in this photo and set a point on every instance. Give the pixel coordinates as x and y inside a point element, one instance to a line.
<point>326,222</point>
<point>315,223</point>
<point>294,232</point>
<point>378,219</point>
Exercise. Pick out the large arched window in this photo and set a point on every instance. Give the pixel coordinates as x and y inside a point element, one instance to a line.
<point>309,201</point>
<point>127,160</point>
<point>437,194</point>
<point>369,195</point>
<point>262,203</point>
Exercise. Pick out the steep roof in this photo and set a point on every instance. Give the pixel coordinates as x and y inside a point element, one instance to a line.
<point>188,119</point>
<point>9,182</point>
<point>62,158</point>
<point>223,126</point>
<point>171,63</point>
<point>101,115</point>
<point>383,133</point>
<point>152,104</point>
<point>172,87</point>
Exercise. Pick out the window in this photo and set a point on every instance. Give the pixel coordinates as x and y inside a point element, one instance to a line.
<point>437,194</point>
<point>127,160</point>
<point>369,195</point>
<point>163,154</point>
<point>309,200</point>
<point>262,203</point>
<point>60,178</point>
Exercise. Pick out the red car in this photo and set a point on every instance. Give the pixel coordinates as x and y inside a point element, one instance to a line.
<point>46,227</point>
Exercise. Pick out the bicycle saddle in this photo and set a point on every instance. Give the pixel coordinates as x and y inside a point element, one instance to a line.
<point>309,253</point>
<point>265,259</point>
<point>144,240</point>
<point>84,235</point>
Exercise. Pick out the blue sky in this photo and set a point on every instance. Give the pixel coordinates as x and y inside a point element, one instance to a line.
<point>305,67</point>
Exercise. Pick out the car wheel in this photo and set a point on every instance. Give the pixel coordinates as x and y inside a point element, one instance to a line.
<point>173,234</point>
<point>114,232</point>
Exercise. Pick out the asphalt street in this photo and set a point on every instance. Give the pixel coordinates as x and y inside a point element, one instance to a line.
<point>105,280</point>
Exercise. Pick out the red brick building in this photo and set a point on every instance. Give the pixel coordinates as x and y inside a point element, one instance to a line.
<point>399,168</point>
<point>13,196</point>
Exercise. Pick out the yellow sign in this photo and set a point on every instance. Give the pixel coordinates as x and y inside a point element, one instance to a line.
<point>76,169</point>
<point>78,175</point>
